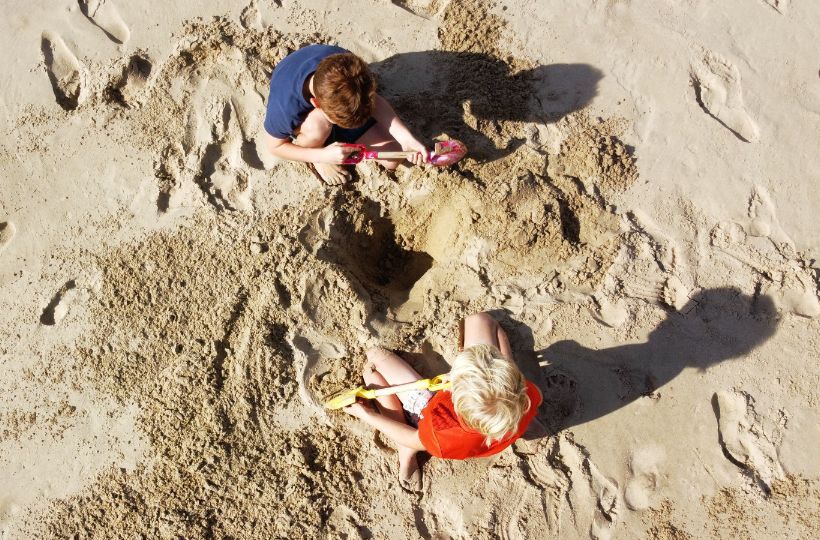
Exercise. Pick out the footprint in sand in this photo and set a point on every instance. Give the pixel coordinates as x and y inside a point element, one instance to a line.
<point>345,523</point>
<point>426,9</point>
<point>546,471</point>
<point>66,73</point>
<point>719,92</point>
<point>250,17</point>
<point>130,89</point>
<point>744,440</point>
<point>593,499</point>
<point>641,491</point>
<point>608,505</point>
<point>58,308</point>
<point>650,267</point>
<point>560,400</point>
<point>209,158</point>
<point>515,504</point>
<point>763,216</point>
<point>9,508</point>
<point>770,257</point>
<point>105,16</point>
<point>7,232</point>
<point>224,178</point>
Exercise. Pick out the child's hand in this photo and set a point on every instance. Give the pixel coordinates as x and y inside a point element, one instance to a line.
<point>359,410</point>
<point>421,157</point>
<point>336,153</point>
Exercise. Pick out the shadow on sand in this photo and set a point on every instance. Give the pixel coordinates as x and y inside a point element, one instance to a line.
<point>581,384</point>
<point>466,94</point>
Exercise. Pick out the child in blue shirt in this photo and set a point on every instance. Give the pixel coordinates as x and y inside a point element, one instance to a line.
<point>322,96</point>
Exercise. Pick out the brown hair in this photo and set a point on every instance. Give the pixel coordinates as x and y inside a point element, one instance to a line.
<point>345,89</point>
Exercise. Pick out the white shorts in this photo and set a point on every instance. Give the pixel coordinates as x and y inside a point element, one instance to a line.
<point>413,402</point>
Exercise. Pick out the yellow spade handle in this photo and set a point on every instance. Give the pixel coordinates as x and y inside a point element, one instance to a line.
<point>436,383</point>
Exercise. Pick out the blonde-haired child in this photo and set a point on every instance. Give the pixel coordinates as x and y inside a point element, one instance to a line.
<point>489,405</point>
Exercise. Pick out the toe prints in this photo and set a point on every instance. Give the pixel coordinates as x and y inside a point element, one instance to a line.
<point>250,17</point>
<point>764,255</point>
<point>66,73</point>
<point>744,440</point>
<point>719,92</point>
<point>641,490</point>
<point>104,14</point>
<point>648,268</point>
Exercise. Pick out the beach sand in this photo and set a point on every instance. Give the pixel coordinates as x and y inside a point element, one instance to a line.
<point>637,209</point>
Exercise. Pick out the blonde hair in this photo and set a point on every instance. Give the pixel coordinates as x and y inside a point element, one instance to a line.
<point>489,392</point>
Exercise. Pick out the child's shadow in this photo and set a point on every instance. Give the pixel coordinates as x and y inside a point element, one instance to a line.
<point>465,94</point>
<point>581,384</point>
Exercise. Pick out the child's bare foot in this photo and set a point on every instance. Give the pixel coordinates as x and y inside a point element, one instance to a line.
<point>409,471</point>
<point>333,175</point>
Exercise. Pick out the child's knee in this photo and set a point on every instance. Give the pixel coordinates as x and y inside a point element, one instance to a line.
<point>375,355</point>
<point>314,131</point>
<point>390,165</point>
<point>480,319</point>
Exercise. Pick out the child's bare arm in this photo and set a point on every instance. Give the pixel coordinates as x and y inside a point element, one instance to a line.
<point>386,116</point>
<point>284,149</point>
<point>399,432</point>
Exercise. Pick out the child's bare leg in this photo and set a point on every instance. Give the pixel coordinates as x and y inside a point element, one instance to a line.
<point>378,138</point>
<point>398,372</point>
<point>391,366</point>
<point>313,133</point>
<point>480,329</point>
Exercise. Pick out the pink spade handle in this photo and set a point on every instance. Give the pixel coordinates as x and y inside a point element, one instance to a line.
<point>445,153</point>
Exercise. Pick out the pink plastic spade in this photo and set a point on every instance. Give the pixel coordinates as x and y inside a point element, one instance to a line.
<point>445,153</point>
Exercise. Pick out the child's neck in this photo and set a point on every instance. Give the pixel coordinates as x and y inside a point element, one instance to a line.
<point>307,89</point>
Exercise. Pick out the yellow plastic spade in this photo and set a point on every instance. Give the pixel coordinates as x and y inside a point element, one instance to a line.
<point>348,397</point>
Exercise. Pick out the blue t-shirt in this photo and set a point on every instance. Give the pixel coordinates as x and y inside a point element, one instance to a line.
<point>287,106</point>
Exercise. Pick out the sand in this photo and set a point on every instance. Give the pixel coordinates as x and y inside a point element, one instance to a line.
<point>637,209</point>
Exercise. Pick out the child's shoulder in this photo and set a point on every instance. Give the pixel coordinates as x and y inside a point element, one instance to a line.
<point>315,50</point>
